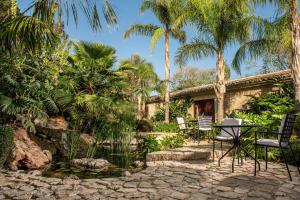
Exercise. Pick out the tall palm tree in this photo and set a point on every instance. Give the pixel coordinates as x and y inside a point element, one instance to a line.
<point>167,12</point>
<point>34,26</point>
<point>292,15</point>
<point>142,79</point>
<point>219,24</point>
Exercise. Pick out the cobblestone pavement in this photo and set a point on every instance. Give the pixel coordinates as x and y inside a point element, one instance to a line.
<point>161,180</point>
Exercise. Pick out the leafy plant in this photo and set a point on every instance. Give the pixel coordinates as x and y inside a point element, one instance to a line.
<point>172,142</point>
<point>164,127</point>
<point>6,143</point>
<point>148,144</point>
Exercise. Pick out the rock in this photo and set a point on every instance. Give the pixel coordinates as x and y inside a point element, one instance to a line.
<point>91,163</point>
<point>48,154</point>
<point>87,139</point>
<point>35,173</point>
<point>27,154</point>
<point>57,123</point>
<point>126,173</point>
<point>138,163</point>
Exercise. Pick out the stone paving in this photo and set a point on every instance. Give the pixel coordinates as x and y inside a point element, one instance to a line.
<point>161,180</point>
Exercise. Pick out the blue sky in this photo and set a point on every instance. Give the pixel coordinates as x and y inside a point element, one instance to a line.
<point>128,13</point>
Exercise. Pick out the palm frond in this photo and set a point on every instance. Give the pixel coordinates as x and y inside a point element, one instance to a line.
<point>156,36</point>
<point>195,50</point>
<point>179,35</point>
<point>250,50</point>
<point>139,29</point>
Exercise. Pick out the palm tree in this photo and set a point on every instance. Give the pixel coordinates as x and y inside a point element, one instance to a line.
<point>219,24</point>
<point>142,78</point>
<point>167,12</point>
<point>292,15</point>
<point>33,30</point>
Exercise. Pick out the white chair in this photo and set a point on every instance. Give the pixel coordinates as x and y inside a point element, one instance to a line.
<point>226,134</point>
<point>183,126</point>
<point>204,124</point>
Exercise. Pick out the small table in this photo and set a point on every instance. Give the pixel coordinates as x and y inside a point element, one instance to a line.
<point>237,143</point>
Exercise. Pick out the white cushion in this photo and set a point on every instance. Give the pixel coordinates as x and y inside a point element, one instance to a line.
<point>228,122</point>
<point>205,129</point>
<point>270,142</point>
<point>219,137</point>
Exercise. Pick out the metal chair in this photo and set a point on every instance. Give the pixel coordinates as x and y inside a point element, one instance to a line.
<point>282,142</point>
<point>225,136</point>
<point>205,124</point>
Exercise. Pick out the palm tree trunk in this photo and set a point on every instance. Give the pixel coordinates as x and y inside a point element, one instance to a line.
<point>167,78</point>
<point>295,51</point>
<point>140,104</point>
<point>220,88</point>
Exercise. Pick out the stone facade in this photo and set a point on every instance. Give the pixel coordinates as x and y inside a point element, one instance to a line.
<point>237,95</point>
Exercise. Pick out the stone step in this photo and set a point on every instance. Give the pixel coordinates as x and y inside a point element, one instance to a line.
<point>179,154</point>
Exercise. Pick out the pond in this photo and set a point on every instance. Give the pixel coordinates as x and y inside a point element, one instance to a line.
<point>121,160</point>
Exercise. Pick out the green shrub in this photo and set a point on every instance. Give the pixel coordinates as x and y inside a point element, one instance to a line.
<point>6,143</point>
<point>148,144</point>
<point>164,127</point>
<point>172,142</point>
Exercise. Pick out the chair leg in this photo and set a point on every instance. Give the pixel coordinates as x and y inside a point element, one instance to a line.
<point>255,158</point>
<point>213,150</point>
<point>234,154</point>
<point>295,159</point>
<point>286,164</point>
<point>222,148</point>
<point>266,157</point>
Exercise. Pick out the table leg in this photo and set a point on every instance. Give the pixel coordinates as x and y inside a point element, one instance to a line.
<point>225,154</point>
<point>248,154</point>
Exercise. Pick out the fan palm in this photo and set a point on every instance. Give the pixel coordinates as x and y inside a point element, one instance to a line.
<point>167,12</point>
<point>219,24</point>
<point>142,77</point>
<point>31,31</point>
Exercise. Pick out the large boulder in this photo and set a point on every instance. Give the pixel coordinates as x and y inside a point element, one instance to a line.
<point>27,154</point>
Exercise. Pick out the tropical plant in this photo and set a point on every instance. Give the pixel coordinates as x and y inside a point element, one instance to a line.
<point>6,143</point>
<point>93,93</point>
<point>167,12</point>
<point>286,31</point>
<point>142,78</point>
<point>39,23</point>
<point>28,81</point>
<point>219,24</point>
<point>72,144</point>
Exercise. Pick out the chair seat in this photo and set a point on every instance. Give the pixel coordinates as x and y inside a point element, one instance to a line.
<point>224,138</point>
<point>205,129</point>
<point>270,143</point>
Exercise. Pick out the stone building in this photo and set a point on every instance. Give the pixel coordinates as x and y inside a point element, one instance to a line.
<point>238,93</point>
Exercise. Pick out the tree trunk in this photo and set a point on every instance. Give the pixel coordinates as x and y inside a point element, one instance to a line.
<point>295,52</point>
<point>140,110</point>
<point>167,78</point>
<point>220,88</point>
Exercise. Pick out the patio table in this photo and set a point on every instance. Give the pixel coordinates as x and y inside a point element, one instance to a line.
<point>237,142</point>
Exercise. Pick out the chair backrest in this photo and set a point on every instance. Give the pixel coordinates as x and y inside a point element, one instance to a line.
<point>181,123</point>
<point>205,121</point>
<point>232,131</point>
<point>286,128</point>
